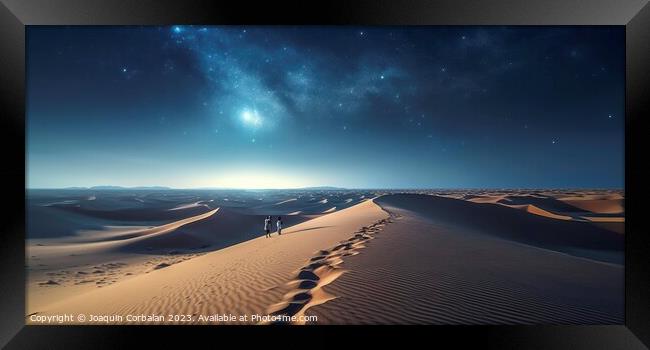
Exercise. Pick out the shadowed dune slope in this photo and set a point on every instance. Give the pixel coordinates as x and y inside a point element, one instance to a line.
<point>571,237</point>
<point>545,203</point>
<point>307,205</point>
<point>420,270</point>
<point>46,222</point>
<point>224,228</point>
<point>139,214</point>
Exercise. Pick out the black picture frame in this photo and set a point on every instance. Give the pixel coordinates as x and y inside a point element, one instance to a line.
<point>16,14</point>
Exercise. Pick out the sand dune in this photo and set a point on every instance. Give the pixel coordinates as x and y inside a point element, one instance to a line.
<point>537,205</point>
<point>307,204</point>
<point>600,206</point>
<point>420,270</point>
<point>548,204</point>
<point>319,271</point>
<point>561,205</point>
<point>80,261</point>
<point>245,278</point>
<point>584,206</point>
<point>578,238</point>
<point>116,238</point>
<point>604,219</point>
<point>43,222</point>
<point>190,205</point>
<point>140,214</point>
<point>481,199</point>
<point>529,208</point>
<point>442,257</point>
<point>81,240</point>
<point>286,201</point>
<point>599,195</point>
<point>216,231</point>
<point>73,265</point>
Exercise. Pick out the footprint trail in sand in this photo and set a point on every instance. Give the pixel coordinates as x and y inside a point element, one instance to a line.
<point>306,289</point>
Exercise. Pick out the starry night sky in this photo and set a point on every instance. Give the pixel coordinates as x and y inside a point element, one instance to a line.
<point>357,107</point>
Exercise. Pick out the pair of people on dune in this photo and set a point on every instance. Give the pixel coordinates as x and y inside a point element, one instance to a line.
<point>267,226</point>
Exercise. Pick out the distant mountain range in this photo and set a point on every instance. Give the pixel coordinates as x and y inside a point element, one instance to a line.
<point>319,188</point>
<point>109,187</point>
<point>119,188</point>
<point>323,188</point>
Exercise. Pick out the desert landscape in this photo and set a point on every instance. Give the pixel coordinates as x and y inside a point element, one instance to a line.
<point>165,256</point>
<point>423,175</point>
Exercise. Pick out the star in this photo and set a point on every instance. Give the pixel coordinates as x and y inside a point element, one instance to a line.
<point>124,70</point>
<point>443,69</point>
<point>610,116</point>
<point>176,29</point>
<point>381,77</point>
<point>553,141</point>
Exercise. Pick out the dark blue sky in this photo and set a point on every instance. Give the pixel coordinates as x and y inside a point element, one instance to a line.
<point>367,107</point>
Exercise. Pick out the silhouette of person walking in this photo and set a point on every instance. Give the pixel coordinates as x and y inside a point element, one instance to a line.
<point>279,224</point>
<point>267,226</point>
